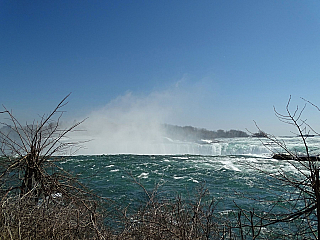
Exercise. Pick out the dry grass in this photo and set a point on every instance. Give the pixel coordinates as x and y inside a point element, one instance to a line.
<point>51,218</point>
<point>60,218</point>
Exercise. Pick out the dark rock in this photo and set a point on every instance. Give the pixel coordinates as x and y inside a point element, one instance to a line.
<point>284,156</point>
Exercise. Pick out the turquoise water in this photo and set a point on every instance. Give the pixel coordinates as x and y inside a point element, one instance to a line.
<point>238,172</point>
<point>237,168</point>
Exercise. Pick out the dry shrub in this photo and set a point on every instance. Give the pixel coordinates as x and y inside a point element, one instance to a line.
<point>39,200</point>
<point>52,218</point>
<point>176,218</point>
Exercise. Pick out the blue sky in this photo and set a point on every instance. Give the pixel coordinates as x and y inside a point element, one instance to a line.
<point>214,64</point>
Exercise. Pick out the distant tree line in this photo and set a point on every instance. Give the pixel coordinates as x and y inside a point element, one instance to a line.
<point>190,133</point>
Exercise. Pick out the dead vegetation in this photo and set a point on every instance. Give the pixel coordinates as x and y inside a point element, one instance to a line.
<point>176,218</point>
<point>294,214</point>
<point>39,200</point>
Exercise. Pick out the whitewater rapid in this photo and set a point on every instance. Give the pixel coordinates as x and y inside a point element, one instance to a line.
<point>165,146</point>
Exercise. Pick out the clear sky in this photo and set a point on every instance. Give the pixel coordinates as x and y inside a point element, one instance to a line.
<point>213,64</point>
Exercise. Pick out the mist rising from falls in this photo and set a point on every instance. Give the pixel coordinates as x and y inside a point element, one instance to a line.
<point>134,125</point>
<point>128,124</point>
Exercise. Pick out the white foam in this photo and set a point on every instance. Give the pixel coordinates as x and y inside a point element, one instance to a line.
<point>109,166</point>
<point>229,166</point>
<point>175,177</point>
<point>143,175</point>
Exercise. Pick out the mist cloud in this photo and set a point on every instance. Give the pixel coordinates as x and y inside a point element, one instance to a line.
<point>133,123</point>
<point>129,124</point>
